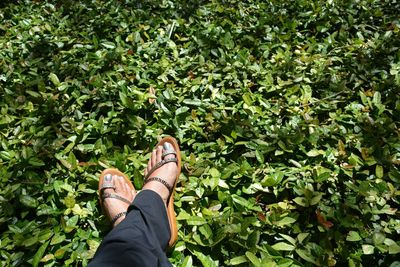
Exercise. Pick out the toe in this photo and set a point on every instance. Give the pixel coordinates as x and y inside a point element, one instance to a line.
<point>154,158</point>
<point>148,168</point>
<point>167,147</point>
<point>159,153</point>
<point>130,192</point>
<point>119,184</point>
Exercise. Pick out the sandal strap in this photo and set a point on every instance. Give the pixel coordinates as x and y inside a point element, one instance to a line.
<point>159,164</point>
<point>168,153</point>
<point>116,217</point>
<point>158,179</point>
<point>107,186</point>
<point>107,182</point>
<point>110,195</point>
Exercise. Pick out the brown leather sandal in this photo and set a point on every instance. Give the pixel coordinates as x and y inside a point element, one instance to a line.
<point>105,181</point>
<point>170,203</point>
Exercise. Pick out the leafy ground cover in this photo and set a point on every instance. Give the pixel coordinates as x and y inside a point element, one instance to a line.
<point>287,113</point>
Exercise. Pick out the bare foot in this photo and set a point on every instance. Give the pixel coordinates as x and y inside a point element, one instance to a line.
<point>166,172</point>
<point>117,200</point>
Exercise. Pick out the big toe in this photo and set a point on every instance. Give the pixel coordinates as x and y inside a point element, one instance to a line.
<point>109,181</point>
<point>170,153</point>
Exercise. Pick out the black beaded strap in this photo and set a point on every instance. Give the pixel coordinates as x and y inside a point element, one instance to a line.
<point>161,163</point>
<point>168,153</point>
<point>158,179</point>
<point>109,195</point>
<point>116,217</point>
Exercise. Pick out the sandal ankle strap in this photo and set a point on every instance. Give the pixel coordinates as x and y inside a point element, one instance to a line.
<point>158,179</point>
<point>116,217</point>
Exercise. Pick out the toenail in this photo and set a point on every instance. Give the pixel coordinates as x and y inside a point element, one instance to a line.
<point>167,146</point>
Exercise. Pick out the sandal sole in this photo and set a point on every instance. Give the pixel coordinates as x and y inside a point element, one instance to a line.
<point>170,205</point>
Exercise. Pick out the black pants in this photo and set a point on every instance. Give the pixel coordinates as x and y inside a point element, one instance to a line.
<point>140,239</point>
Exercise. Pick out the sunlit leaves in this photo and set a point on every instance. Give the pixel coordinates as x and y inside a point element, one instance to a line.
<point>286,111</point>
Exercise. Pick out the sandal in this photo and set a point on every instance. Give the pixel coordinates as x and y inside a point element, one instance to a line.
<point>170,202</point>
<point>106,182</point>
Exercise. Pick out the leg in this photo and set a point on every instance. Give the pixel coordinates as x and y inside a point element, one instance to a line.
<point>140,239</point>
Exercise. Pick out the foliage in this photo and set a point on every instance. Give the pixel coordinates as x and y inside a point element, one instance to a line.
<point>287,113</point>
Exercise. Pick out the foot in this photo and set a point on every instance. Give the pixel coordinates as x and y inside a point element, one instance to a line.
<point>114,206</point>
<point>167,172</point>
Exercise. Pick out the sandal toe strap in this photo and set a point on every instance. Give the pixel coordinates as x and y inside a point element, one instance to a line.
<point>166,153</point>
<point>107,182</point>
<point>110,195</point>
<point>159,164</point>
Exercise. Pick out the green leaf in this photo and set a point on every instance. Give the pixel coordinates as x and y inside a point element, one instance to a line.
<point>196,220</point>
<point>70,224</point>
<point>54,79</point>
<point>69,201</point>
<point>192,102</point>
<point>31,241</point>
<point>241,201</point>
<point>238,260</point>
<point>253,239</point>
<point>47,258</point>
<point>187,262</point>
<point>306,255</point>
<point>368,249</point>
<point>353,236</point>
<point>285,221</point>
<point>57,238</point>
<point>181,110</point>
<point>205,261</point>
<point>109,45</point>
<point>316,199</point>
<point>302,236</point>
<point>379,171</point>
<point>253,258</point>
<point>28,201</point>
<point>273,178</point>
<point>205,229</point>
<point>377,98</point>
<point>36,162</point>
<point>39,254</point>
<point>283,246</point>
<point>289,238</point>
<point>259,156</point>
<point>378,238</point>
<point>314,153</point>
<point>394,249</point>
<point>302,201</point>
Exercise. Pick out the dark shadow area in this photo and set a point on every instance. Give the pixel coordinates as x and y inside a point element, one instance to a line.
<point>4,3</point>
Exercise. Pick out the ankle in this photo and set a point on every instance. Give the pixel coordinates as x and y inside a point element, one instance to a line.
<point>160,189</point>
<point>120,219</point>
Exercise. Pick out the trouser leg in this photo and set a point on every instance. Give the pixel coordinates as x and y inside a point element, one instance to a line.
<point>140,239</point>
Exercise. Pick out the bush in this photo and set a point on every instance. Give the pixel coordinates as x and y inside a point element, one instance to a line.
<point>287,113</point>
